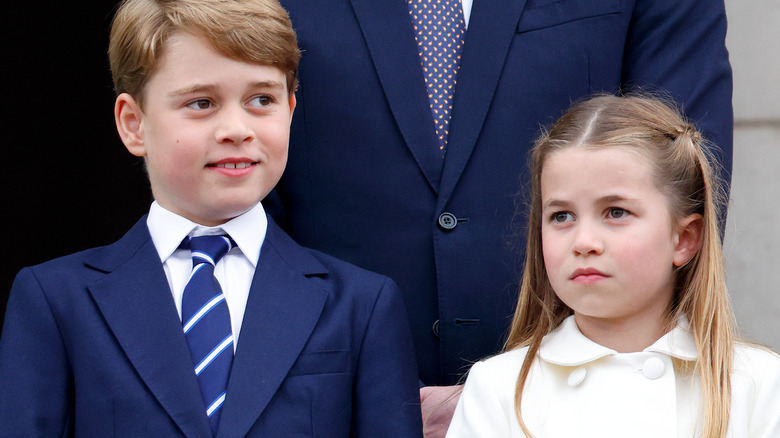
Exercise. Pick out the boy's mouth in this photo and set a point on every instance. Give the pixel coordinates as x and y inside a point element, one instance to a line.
<point>241,165</point>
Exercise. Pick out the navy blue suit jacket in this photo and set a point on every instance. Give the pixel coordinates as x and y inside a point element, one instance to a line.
<point>365,179</point>
<point>93,346</point>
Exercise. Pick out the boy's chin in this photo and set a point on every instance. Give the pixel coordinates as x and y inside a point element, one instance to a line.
<point>220,216</point>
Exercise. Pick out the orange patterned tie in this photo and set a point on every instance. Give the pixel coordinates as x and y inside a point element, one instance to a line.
<point>439,29</point>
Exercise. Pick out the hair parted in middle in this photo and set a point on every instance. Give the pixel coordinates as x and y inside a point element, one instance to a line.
<point>682,169</point>
<point>253,31</point>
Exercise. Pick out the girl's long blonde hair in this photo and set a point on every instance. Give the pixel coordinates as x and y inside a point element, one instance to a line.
<point>683,171</point>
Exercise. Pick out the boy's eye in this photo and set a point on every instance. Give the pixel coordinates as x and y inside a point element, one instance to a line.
<point>562,216</point>
<point>263,100</point>
<point>616,213</point>
<point>200,104</point>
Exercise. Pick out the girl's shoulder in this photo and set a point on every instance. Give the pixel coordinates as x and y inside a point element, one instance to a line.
<point>756,359</point>
<point>755,384</point>
<point>502,365</point>
<point>506,358</point>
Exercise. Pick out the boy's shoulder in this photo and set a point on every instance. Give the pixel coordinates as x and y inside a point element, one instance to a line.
<point>82,265</point>
<point>314,263</point>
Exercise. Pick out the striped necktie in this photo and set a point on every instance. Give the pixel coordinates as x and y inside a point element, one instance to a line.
<point>439,29</point>
<point>206,322</point>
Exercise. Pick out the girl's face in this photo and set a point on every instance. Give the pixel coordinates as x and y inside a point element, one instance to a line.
<point>608,238</point>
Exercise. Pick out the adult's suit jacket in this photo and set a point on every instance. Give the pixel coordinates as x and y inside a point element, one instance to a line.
<point>366,182</point>
<point>92,346</point>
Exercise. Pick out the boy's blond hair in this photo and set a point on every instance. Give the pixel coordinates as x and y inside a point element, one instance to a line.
<point>253,31</point>
<point>683,171</point>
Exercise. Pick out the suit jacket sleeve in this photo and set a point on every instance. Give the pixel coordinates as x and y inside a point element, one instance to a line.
<point>387,399</point>
<point>34,372</point>
<point>679,46</point>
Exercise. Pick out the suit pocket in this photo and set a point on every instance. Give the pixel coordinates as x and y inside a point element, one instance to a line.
<point>321,362</point>
<point>541,14</point>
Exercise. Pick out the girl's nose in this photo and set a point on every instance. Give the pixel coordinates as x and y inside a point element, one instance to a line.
<point>587,239</point>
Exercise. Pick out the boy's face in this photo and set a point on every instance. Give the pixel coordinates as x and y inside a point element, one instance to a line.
<point>214,131</point>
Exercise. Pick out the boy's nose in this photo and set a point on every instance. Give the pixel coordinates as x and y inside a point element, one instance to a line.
<point>587,240</point>
<point>233,128</point>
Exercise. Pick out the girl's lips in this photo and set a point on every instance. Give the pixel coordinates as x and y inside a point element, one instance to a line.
<point>587,276</point>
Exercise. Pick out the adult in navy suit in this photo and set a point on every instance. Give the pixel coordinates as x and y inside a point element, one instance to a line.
<point>100,343</point>
<point>367,182</point>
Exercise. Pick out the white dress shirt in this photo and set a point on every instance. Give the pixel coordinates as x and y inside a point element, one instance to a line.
<point>466,11</point>
<point>234,271</point>
<point>577,388</point>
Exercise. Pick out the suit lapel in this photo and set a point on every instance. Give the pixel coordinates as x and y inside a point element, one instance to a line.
<point>280,315</point>
<point>136,302</point>
<point>492,27</point>
<point>387,29</point>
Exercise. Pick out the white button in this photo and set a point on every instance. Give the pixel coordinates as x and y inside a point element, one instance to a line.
<point>577,376</point>
<point>653,368</point>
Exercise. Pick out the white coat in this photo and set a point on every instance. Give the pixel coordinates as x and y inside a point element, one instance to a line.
<point>577,388</point>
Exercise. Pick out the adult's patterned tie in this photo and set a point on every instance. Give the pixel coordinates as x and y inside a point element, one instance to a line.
<point>206,322</point>
<point>439,29</point>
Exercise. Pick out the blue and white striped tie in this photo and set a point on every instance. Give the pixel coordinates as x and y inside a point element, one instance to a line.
<point>206,321</point>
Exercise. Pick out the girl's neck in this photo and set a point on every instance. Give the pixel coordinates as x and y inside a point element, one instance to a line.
<point>622,335</point>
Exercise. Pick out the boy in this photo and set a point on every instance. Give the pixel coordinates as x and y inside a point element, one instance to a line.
<point>110,341</point>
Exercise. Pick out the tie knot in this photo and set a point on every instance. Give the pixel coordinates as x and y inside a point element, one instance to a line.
<point>208,249</point>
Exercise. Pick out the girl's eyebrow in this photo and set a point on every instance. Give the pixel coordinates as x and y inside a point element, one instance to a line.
<point>614,198</point>
<point>608,199</point>
<point>556,203</point>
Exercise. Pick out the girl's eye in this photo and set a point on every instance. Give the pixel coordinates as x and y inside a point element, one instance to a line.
<point>562,216</point>
<point>263,100</point>
<point>617,213</point>
<point>200,104</point>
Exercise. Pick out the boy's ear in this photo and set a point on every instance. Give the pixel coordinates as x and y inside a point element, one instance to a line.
<point>129,123</point>
<point>689,239</point>
<point>292,102</point>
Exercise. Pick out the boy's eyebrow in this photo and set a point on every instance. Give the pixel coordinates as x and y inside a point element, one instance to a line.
<point>268,84</point>
<point>199,88</point>
<point>195,88</point>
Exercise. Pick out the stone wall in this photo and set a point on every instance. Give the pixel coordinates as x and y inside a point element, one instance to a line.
<point>752,242</point>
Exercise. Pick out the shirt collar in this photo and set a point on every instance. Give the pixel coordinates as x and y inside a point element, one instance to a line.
<point>168,229</point>
<point>567,346</point>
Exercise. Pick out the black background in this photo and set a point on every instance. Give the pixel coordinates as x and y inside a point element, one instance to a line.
<point>69,184</point>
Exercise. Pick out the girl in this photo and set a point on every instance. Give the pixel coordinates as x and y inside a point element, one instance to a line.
<point>623,325</point>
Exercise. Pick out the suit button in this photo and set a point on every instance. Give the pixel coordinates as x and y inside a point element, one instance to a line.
<point>577,376</point>
<point>653,368</point>
<point>436,328</point>
<point>447,221</point>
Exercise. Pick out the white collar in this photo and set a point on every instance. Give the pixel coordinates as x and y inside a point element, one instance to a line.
<point>567,346</point>
<point>168,229</point>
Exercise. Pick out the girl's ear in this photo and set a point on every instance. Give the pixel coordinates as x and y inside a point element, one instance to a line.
<point>689,239</point>
<point>129,123</point>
